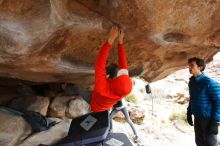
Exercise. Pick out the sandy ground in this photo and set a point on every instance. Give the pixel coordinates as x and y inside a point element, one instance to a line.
<point>157,129</point>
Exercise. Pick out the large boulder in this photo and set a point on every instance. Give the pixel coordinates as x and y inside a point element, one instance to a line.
<point>51,136</point>
<point>77,107</point>
<point>45,41</point>
<point>68,106</point>
<point>32,103</point>
<point>14,129</point>
<point>59,106</point>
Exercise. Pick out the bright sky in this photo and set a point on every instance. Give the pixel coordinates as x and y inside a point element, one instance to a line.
<point>217,56</point>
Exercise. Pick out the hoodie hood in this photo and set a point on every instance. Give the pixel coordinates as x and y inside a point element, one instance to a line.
<point>121,85</point>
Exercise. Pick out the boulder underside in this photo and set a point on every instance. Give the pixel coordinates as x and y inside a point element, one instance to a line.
<point>58,41</point>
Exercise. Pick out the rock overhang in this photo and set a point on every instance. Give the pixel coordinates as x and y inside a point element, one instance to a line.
<point>58,41</point>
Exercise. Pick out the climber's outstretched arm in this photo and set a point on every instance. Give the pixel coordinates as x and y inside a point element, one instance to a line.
<point>100,65</point>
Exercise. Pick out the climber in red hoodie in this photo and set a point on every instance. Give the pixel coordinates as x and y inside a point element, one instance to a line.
<point>112,83</point>
<point>108,91</point>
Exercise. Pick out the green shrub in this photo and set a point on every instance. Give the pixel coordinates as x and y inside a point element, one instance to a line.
<point>131,98</point>
<point>138,121</point>
<point>181,116</point>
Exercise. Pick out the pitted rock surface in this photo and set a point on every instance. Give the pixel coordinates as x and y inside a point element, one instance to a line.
<point>58,41</point>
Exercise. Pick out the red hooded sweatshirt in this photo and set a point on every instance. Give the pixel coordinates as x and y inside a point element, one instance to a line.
<point>108,92</point>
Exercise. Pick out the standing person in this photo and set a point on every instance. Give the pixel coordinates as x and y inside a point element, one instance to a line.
<point>112,82</point>
<point>204,104</point>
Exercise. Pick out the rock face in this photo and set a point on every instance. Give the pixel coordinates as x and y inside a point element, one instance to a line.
<point>51,41</point>
<point>68,106</point>
<point>33,103</point>
<point>13,130</point>
<point>50,136</point>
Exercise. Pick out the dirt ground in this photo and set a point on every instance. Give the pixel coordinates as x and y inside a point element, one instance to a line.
<point>157,129</point>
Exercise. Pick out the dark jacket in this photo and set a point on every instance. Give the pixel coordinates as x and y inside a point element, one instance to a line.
<point>204,97</point>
